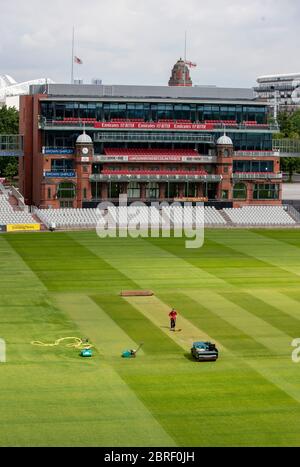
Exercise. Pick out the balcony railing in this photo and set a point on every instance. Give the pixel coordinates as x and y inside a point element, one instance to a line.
<point>256,176</point>
<point>208,126</point>
<point>287,147</point>
<point>274,87</point>
<point>161,137</point>
<point>154,172</point>
<point>154,178</point>
<point>256,154</point>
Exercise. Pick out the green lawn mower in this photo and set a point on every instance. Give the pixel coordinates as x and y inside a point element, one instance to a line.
<point>86,353</point>
<point>132,352</point>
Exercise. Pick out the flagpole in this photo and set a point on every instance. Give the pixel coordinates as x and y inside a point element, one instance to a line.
<point>184,58</point>
<point>72,69</point>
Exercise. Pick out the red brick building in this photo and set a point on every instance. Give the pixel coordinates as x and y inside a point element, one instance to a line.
<point>87,143</point>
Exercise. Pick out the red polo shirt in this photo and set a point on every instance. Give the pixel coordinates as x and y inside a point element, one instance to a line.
<point>173,314</point>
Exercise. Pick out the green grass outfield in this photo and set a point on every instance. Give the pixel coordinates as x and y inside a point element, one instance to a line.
<point>241,290</point>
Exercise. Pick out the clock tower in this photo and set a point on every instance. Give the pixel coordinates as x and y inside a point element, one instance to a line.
<point>84,153</point>
<point>225,152</point>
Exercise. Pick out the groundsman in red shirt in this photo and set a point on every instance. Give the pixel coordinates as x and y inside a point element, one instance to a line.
<point>172,316</point>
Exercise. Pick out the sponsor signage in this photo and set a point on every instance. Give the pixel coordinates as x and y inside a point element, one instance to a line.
<point>111,158</point>
<point>22,227</point>
<point>69,174</point>
<point>49,151</point>
<point>152,158</point>
<point>15,153</point>
<point>2,228</point>
<point>154,126</point>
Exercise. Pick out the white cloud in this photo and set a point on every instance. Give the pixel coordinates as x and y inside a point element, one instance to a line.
<point>138,41</point>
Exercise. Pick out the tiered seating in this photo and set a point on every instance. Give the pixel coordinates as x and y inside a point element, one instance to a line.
<point>232,123</point>
<point>253,123</point>
<point>75,121</point>
<point>168,216</point>
<point>150,152</point>
<point>213,217</point>
<point>9,216</point>
<point>167,120</point>
<point>249,122</point>
<point>260,215</point>
<point>68,218</point>
<point>122,120</point>
<point>89,218</point>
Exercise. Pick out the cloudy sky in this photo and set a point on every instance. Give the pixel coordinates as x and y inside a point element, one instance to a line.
<point>138,41</point>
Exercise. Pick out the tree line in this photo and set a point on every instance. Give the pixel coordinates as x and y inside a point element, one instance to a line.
<point>9,125</point>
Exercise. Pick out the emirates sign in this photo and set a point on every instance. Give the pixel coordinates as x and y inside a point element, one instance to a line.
<point>154,126</point>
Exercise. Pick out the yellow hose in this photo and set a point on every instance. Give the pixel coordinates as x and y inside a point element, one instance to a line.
<point>77,343</point>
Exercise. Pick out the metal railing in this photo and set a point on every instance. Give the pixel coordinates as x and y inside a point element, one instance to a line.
<point>293,212</point>
<point>153,178</point>
<point>152,136</point>
<point>214,127</point>
<point>287,147</point>
<point>257,175</point>
<point>256,153</point>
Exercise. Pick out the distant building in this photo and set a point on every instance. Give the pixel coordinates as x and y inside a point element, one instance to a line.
<point>280,90</point>
<point>10,90</point>
<point>180,75</point>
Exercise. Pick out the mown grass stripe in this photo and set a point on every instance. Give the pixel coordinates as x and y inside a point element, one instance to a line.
<point>270,250</point>
<point>219,258</point>
<point>148,265</point>
<point>280,301</point>
<point>257,305</point>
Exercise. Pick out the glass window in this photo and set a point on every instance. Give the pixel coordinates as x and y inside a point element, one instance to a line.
<point>224,194</point>
<point>265,191</point>
<point>66,204</point>
<point>152,190</point>
<point>253,166</point>
<point>133,190</point>
<point>240,191</point>
<point>66,190</point>
<point>62,165</point>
